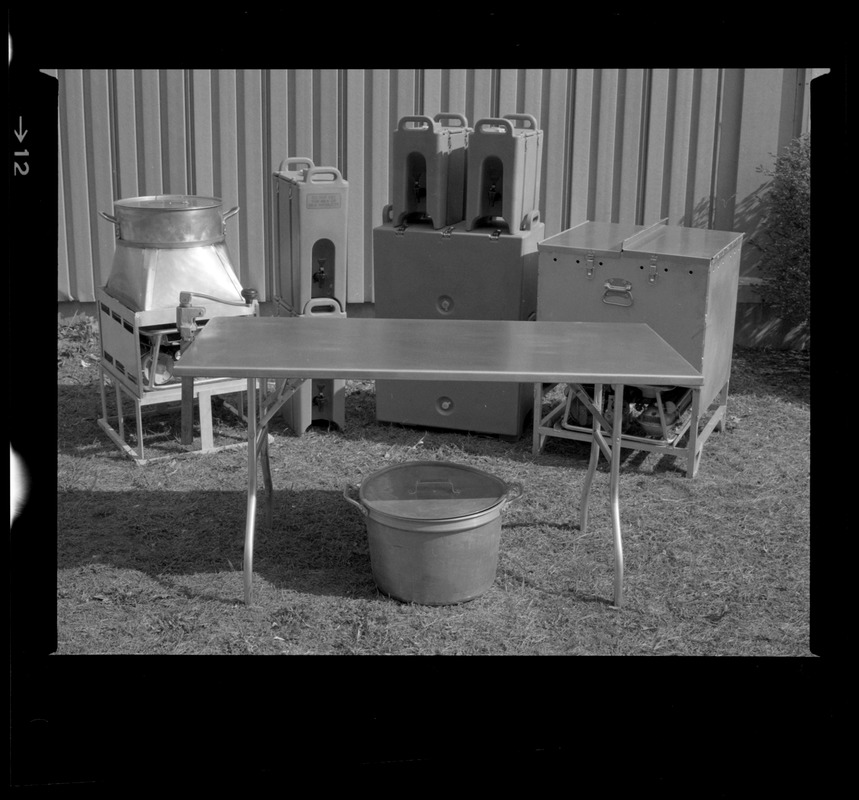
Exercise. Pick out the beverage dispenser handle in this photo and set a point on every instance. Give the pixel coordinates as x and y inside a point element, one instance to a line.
<point>449,115</point>
<point>313,175</point>
<point>529,118</point>
<point>305,161</point>
<point>420,120</point>
<point>320,306</point>
<point>494,125</point>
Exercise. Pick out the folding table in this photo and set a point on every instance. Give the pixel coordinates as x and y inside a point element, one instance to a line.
<point>276,354</point>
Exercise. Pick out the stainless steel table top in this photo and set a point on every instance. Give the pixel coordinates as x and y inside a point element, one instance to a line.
<point>410,349</point>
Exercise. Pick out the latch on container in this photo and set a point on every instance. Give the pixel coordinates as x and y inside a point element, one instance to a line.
<point>589,260</point>
<point>652,276</point>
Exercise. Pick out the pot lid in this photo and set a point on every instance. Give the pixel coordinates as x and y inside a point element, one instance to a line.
<point>170,202</point>
<point>432,490</point>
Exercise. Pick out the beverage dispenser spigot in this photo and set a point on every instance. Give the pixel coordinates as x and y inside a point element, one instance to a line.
<point>418,189</point>
<point>319,400</point>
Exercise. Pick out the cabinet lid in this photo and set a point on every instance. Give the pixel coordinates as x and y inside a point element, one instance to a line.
<point>599,238</point>
<point>678,242</point>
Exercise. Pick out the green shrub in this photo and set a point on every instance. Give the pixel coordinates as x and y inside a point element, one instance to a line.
<point>786,260</point>
<point>76,336</point>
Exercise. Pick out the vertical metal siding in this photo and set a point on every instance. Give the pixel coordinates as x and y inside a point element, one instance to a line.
<point>618,145</point>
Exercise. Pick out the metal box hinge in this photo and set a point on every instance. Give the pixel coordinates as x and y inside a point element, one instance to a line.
<point>589,260</point>
<point>652,275</point>
<point>400,230</point>
<point>495,235</point>
<point>446,232</point>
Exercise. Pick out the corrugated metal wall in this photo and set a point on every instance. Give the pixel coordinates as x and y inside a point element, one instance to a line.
<point>619,144</point>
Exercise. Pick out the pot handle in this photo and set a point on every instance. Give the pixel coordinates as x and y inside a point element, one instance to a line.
<point>231,213</point>
<point>108,217</point>
<point>517,490</point>
<point>360,506</point>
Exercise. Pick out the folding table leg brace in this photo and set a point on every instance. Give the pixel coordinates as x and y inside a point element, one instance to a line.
<point>262,406</point>
<point>612,452</point>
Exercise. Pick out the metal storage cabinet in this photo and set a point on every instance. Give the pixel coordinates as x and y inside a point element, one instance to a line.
<point>680,281</point>
<point>455,273</point>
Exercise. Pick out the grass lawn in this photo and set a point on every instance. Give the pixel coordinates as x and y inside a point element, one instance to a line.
<point>149,558</point>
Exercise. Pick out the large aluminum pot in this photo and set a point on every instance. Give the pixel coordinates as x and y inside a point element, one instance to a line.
<point>169,220</point>
<point>433,529</point>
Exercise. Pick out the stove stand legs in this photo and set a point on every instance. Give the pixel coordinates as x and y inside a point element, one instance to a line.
<point>592,465</point>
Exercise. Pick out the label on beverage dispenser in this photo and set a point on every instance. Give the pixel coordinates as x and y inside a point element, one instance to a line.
<point>327,200</point>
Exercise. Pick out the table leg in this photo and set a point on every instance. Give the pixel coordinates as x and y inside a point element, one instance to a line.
<point>616,433</point>
<point>592,465</point>
<point>250,519</point>
<point>266,474</point>
<point>262,405</point>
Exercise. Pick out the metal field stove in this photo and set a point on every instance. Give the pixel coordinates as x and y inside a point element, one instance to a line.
<point>683,283</point>
<point>171,273</point>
